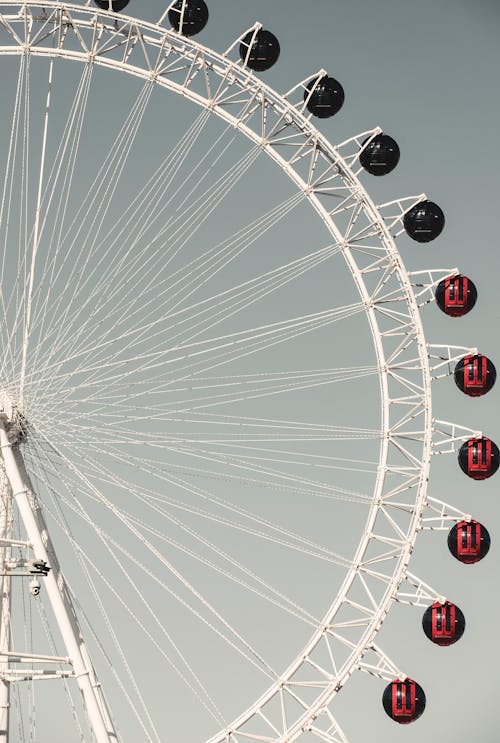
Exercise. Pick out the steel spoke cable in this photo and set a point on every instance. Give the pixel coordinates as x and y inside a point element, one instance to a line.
<point>264,341</point>
<point>268,336</point>
<point>222,457</point>
<point>205,401</point>
<point>44,621</point>
<point>63,524</point>
<point>120,398</point>
<point>221,358</point>
<point>227,419</point>
<point>18,292</point>
<point>67,150</point>
<point>249,652</point>
<point>208,263</point>
<point>23,245</point>
<point>311,548</point>
<point>226,313</point>
<point>166,411</point>
<point>96,201</point>
<point>238,295</point>
<point>146,197</point>
<point>251,285</point>
<point>211,201</point>
<point>254,289</point>
<point>7,187</point>
<point>143,627</point>
<point>93,633</point>
<point>154,201</point>
<point>102,432</point>
<point>111,421</point>
<point>80,433</point>
<point>5,210</point>
<point>100,204</point>
<point>110,166</point>
<point>218,258</point>
<point>204,267</point>
<point>282,601</point>
<point>70,143</point>
<point>77,508</point>
<point>249,158</point>
<point>336,492</point>
<point>296,611</point>
<point>241,464</point>
<point>195,440</point>
<point>192,226</point>
<point>241,422</point>
<point>36,236</point>
<point>94,349</point>
<point>257,339</point>
<point>243,445</point>
<point>292,607</point>
<point>149,466</point>
<point>248,460</point>
<point>251,289</point>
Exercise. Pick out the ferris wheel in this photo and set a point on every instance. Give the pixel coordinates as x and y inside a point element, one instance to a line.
<point>216,392</point>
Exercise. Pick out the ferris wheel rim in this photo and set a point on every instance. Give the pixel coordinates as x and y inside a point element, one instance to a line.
<point>247,80</point>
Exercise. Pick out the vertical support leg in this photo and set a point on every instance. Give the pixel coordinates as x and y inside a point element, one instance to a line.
<point>5,553</point>
<point>55,586</point>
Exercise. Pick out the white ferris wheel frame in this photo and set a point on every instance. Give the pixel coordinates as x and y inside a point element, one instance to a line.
<point>328,178</point>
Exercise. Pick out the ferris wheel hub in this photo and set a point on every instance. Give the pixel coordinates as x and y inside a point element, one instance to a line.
<point>14,420</point>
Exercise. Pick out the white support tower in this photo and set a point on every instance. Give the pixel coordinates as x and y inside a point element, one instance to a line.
<point>5,552</point>
<point>17,489</point>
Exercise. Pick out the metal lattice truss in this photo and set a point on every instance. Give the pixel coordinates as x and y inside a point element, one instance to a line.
<point>299,702</point>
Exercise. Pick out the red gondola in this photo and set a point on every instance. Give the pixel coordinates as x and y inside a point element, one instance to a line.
<point>479,458</point>
<point>443,623</point>
<point>469,541</point>
<point>404,701</point>
<point>456,295</point>
<point>475,375</point>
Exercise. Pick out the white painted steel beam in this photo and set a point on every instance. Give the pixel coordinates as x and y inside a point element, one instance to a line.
<point>29,509</point>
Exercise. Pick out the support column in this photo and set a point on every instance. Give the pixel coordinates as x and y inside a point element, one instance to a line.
<point>55,586</point>
<point>5,596</point>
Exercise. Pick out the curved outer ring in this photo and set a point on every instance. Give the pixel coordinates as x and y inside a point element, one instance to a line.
<point>155,37</point>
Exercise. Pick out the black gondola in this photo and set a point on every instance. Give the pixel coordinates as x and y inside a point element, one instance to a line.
<point>116,5</point>
<point>264,50</point>
<point>424,221</point>
<point>194,19</point>
<point>326,99</point>
<point>381,155</point>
